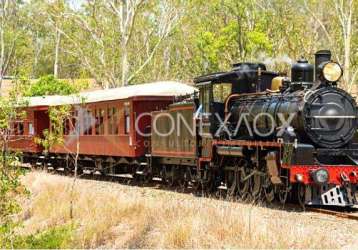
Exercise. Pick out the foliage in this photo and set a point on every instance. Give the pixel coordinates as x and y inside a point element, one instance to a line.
<point>173,39</point>
<point>10,189</point>
<point>10,172</point>
<point>49,85</point>
<point>53,238</point>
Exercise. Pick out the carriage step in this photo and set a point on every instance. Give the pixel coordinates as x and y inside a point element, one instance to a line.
<point>97,173</point>
<point>222,187</point>
<point>26,165</point>
<point>85,171</point>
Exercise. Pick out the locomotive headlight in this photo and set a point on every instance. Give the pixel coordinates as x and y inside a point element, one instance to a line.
<point>320,176</point>
<point>332,71</point>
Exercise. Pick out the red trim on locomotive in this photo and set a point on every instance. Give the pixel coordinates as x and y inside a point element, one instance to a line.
<point>335,173</point>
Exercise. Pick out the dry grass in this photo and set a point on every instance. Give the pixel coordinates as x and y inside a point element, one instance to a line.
<point>111,215</point>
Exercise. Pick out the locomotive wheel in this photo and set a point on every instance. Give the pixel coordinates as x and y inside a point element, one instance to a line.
<point>283,191</point>
<point>269,190</point>
<point>256,187</point>
<point>301,195</point>
<point>232,181</point>
<point>243,186</point>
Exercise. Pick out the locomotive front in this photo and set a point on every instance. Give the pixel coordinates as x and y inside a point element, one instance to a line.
<point>316,123</point>
<point>329,117</point>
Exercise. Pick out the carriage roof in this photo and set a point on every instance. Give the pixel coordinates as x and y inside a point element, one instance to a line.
<point>164,88</point>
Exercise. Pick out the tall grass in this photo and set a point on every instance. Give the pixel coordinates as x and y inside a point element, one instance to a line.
<point>118,216</point>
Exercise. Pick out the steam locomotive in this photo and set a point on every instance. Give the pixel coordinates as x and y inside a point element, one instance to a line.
<point>248,133</point>
<point>295,137</point>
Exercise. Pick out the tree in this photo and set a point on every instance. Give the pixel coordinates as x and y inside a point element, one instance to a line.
<point>49,85</point>
<point>10,172</point>
<point>119,32</point>
<point>8,34</point>
<point>126,12</point>
<point>342,13</point>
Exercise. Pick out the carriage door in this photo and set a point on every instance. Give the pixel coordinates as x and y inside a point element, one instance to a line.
<point>42,122</point>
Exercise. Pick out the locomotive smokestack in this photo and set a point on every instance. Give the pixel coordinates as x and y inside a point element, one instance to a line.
<point>320,57</point>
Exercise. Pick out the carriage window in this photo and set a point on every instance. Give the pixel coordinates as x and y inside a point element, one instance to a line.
<point>115,121</point>
<point>31,129</point>
<point>66,127</point>
<point>221,91</point>
<point>18,128</point>
<point>87,122</point>
<point>127,124</point>
<point>112,118</point>
<point>99,121</point>
<point>74,123</point>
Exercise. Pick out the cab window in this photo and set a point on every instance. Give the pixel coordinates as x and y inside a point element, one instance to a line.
<point>205,98</point>
<point>221,91</point>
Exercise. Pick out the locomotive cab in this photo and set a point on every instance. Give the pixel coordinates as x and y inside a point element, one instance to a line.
<point>212,102</point>
<point>215,90</point>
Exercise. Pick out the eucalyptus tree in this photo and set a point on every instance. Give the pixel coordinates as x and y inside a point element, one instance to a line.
<point>338,33</point>
<point>12,29</point>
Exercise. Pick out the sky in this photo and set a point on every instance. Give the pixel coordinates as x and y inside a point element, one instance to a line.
<point>75,4</point>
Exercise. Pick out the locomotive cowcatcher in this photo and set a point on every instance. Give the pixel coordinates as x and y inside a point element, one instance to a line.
<point>248,133</point>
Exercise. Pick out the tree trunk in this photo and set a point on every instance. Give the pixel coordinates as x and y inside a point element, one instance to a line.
<point>124,23</point>
<point>72,201</point>
<point>125,65</point>
<point>347,48</point>
<point>57,51</point>
<point>2,55</point>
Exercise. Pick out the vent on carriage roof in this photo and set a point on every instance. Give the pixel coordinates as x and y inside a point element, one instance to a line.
<point>167,88</point>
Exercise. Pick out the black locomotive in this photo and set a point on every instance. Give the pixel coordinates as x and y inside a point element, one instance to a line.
<point>295,136</point>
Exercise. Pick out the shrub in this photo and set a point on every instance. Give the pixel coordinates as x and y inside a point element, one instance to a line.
<point>54,238</point>
<point>49,85</point>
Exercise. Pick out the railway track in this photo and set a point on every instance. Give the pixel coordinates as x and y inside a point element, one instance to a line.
<point>339,214</point>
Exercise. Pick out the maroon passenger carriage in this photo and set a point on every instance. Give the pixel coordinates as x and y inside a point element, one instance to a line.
<point>104,121</point>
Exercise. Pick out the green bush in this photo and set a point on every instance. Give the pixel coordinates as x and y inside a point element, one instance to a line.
<point>49,85</point>
<point>55,238</point>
